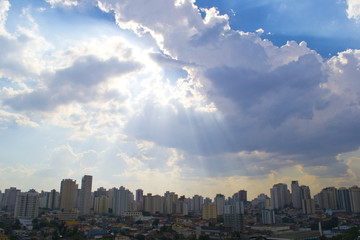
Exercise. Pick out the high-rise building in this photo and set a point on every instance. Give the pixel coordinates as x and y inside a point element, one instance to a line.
<point>123,201</point>
<point>148,203</point>
<point>43,199</point>
<point>197,202</point>
<point>220,203</point>
<point>243,195</point>
<point>268,216</point>
<point>9,200</point>
<point>77,195</point>
<point>209,211</point>
<point>295,195</point>
<point>328,199</point>
<point>181,206</point>
<point>100,192</point>
<point>207,200</point>
<point>279,195</point>
<point>170,199</point>
<point>307,203</point>
<point>27,205</point>
<point>67,194</point>
<point>305,192</point>
<point>178,207</point>
<point>260,201</point>
<point>354,193</point>
<point>158,204</point>
<point>53,199</point>
<point>1,198</point>
<point>101,204</point>
<point>234,215</point>
<point>308,206</point>
<point>139,195</point>
<point>343,199</point>
<point>85,195</point>
<point>111,194</point>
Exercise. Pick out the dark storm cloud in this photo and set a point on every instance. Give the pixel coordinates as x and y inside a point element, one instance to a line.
<point>291,90</point>
<point>274,112</point>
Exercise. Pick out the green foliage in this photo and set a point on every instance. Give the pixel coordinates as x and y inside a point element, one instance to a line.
<point>166,229</point>
<point>352,233</point>
<point>155,223</point>
<point>204,237</point>
<point>145,213</point>
<point>41,223</point>
<point>287,220</point>
<point>140,237</point>
<point>16,225</point>
<point>328,225</point>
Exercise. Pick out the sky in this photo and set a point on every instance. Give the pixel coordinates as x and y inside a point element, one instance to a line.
<point>197,97</point>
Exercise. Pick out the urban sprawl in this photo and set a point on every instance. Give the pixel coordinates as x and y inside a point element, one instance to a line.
<point>117,213</point>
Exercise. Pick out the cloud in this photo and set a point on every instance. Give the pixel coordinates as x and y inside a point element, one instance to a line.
<point>261,94</point>
<point>71,3</point>
<point>79,82</point>
<point>19,119</point>
<point>4,8</point>
<point>197,100</point>
<point>21,49</point>
<point>353,10</point>
<point>268,99</point>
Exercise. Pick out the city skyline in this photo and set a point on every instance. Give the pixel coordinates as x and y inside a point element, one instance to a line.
<point>119,208</point>
<point>68,184</point>
<point>200,97</point>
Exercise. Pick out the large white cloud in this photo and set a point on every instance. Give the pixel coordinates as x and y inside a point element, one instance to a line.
<point>22,51</point>
<point>353,10</point>
<point>15,118</point>
<point>80,83</point>
<point>71,3</point>
<point>4,8</point>
<point>277,100</point>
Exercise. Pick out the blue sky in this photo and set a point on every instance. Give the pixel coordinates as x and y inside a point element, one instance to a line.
<point>323,24</point>
<point>195,97</point>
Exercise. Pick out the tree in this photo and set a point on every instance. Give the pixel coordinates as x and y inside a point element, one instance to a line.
<point>16,225</point>
<point>352,233</point>
<point>140,237</point>
<point>328,225</point>
<point>166,229</point>
<point>138,222</point>
<point>204,237</point>
<point>155,223</point>
<point>145,213</point>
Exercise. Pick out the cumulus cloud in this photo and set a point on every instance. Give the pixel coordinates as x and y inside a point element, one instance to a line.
<point>276,100</point>
<point>19,119</point>
<point>71,3</point>
<point>79,82</point>
<point>353,10</point>
<point>20,50</point>
<point>4,8</point>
